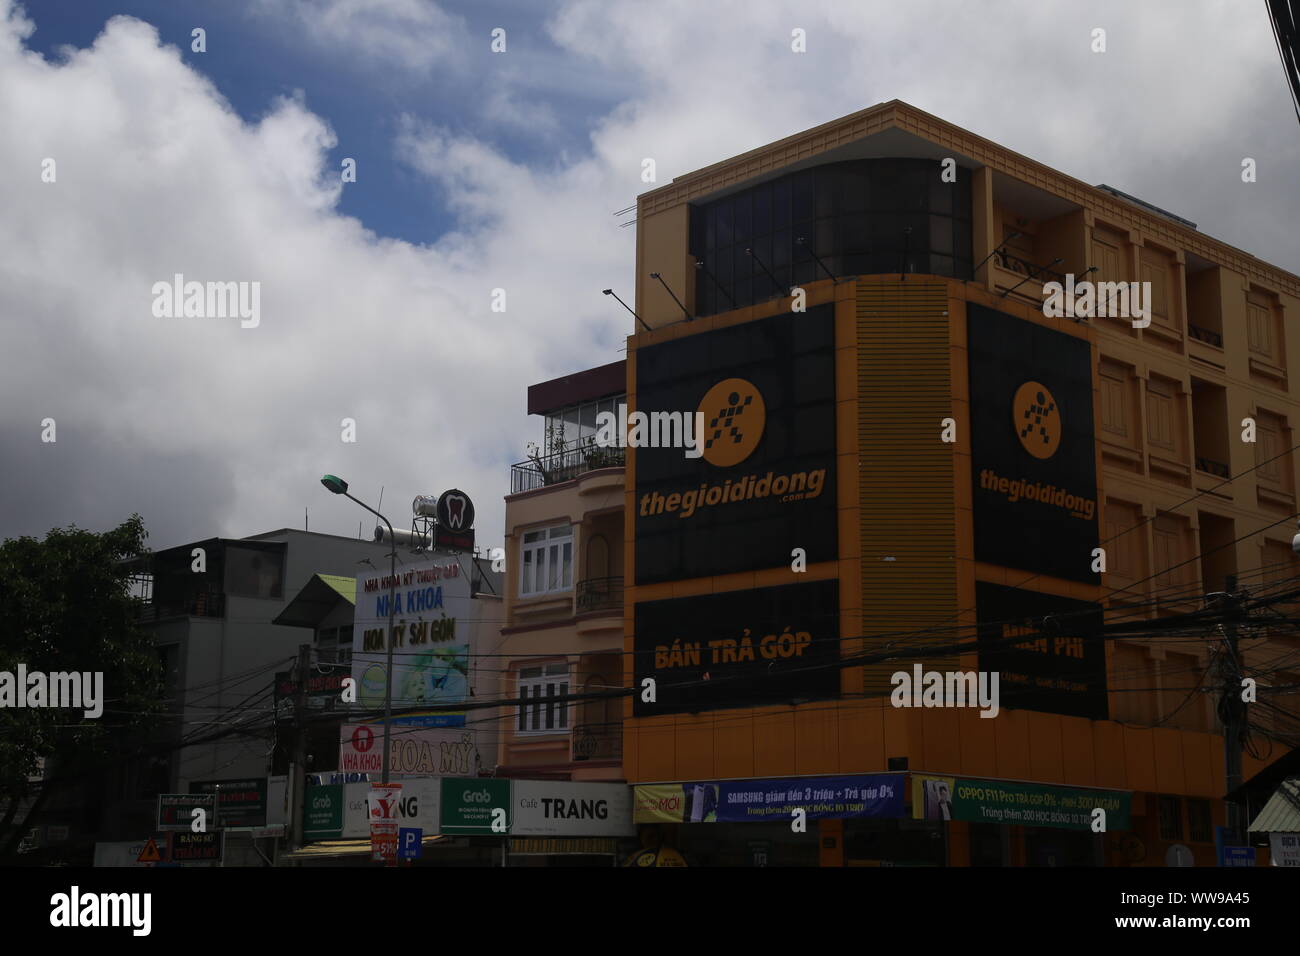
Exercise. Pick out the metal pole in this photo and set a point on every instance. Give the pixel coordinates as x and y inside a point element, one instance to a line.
<point>392,609</point>
<point>1232,725</point>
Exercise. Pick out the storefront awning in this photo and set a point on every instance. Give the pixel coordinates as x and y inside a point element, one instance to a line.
<point>344,849</point>
<point>1282,812</point>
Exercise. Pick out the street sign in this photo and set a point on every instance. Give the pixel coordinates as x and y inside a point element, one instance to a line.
<point>409,843</point>
<point>242,803</point>
<point>195,847</point>
<point>150,853</point>
<point>176,810</point>
<point>1237,856</point>
<point>469,805</point>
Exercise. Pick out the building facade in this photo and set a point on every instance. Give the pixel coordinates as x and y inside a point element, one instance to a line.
<point>913,458</point>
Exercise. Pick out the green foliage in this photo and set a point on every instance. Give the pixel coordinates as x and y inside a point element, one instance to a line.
<point>65,605</point>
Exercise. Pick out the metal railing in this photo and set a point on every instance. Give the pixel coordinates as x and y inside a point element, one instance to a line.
<point>597,741</point>
<point>563,466</point>
<point>207,602</point>
<point>600,594</point>
<point>1202,334</point>
<point>1212,467</point>
<point>1023,267</point>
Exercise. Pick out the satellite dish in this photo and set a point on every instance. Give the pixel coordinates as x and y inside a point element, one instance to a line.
<point>1179,855</point>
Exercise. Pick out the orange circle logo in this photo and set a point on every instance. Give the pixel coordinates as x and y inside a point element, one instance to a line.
<point>734,416</point>
<point>1036,419</point>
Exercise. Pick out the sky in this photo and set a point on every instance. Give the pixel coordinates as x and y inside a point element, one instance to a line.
<point>475,171</point>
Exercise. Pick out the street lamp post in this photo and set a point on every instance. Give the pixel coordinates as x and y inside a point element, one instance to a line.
<point>340,487</point>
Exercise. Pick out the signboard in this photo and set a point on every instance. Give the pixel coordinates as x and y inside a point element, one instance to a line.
<point>149,853</point>
<point>341,812</point>
<point>382,810</point>
<point>738,648</point>
<point>409,843</point>
<point>563,808</point>
<point>176,810</point>
<point>1059,666</point>
<point>240,803</point>
<point>755,801</point>
<point>337,776</point>
<point>1237,856</point>
<point>1033,456</point>
<point>431,637</point>
<point>764,481</point>
<point>195,847</point>
<point>119,853</point>
<point>1284,848</point>
<point>1023,804</point>
<point>468,805</point>
<point>324,690</point>
<point>412,750</point>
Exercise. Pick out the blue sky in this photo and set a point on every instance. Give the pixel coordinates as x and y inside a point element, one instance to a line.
<point>255,56</point>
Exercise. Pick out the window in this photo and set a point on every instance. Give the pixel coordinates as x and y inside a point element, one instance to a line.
<point>1170,553</point>
<point>1199,829</point>
<point>1117,401</point>
<point>1272,440</point>
<point>1133,684</point>
<point>1106,257</point>
<point>1165,416</point>
<point>1259,324</point>
<point>546,560</point>
<point>254,573</point>
<point>1171,818</point>
<point>538,683</point>
<point>1125,542</point>
<point>1155,269</point>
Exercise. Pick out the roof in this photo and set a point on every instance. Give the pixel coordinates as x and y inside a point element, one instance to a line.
<point>320,595</point>
<point>1282,812</point>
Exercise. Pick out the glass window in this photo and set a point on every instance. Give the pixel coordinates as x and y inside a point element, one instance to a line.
<point>537,714</point>
<point>1171,818</point>
<point>546,561</point>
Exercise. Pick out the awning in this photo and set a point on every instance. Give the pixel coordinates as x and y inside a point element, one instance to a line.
<point>1282,812</point>
<point>316,599</point>
<point>345,849</point>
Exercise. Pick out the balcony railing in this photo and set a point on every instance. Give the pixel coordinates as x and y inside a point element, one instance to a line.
<point>598,741</point>
<point>600,594</point>
<point>1025,268</point>
<point>1212,467</point>
<point>1205,335</point>
<point>562,466</point>
<point>208,602</point>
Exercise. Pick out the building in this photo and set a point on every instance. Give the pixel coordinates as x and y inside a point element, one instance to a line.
<point>563,631</point>
<point>869,326</point>
<point>211,607</point>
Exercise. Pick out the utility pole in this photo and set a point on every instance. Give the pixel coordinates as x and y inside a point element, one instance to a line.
<point>1232,709</point>
<point>297,766</point>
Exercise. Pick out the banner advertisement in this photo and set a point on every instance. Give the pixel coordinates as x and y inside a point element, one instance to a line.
<point>381,805</point>
<point>469,806</point>
<point>563,808</point>
<point>451,752</point>
<point>753,801</point>
<point>341,811</point>
<point>762,473</point>
<point>431,624</point>
<point>1023,804</point>
<point>761,646</point>
<point>240,803</point>
<point>1284,848</point>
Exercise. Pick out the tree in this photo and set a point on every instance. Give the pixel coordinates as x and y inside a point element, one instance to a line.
<point>66,606</point>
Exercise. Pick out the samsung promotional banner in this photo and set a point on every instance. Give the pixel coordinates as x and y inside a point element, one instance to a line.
<point>762,479</point>
<point>446,751</point>
<point>768,645</point>
<point>1033,455</point>
<point>1049,651</point>
<point>433,610</point>
<point>1023,804</point>
<point>757,801</point>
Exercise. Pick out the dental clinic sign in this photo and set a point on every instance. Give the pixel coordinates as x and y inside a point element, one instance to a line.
<point>432,609</point>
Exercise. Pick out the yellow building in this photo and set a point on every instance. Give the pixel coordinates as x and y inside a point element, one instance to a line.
<point>876,489</point>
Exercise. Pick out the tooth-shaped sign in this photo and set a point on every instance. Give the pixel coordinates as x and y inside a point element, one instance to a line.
<point>455,510</point>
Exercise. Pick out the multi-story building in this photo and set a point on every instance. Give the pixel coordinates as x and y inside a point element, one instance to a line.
<point>914,458</point>
<point>563,631</point>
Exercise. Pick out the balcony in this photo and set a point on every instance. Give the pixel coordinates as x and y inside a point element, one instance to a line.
<point>597,742</point>
<point>1016,276</point>
<point>206,602</point>
<point>600,594</point>
<point>563,466</point>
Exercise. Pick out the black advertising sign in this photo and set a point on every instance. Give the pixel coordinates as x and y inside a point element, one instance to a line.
<point>763,479</point>
<point>738,648</point>
<point>195,847</point>
<point>240,803</point>
<point>1059,666</point>
<point>1033,452</point>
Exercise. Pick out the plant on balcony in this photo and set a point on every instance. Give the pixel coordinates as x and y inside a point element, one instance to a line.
<point>597,456</point>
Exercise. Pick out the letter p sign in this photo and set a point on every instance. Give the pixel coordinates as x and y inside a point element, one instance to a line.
<point>409,842</point>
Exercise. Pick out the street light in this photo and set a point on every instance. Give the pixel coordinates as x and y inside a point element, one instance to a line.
<point>340,487</point>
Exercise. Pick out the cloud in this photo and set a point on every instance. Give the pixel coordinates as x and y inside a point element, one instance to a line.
<point>410,35</point>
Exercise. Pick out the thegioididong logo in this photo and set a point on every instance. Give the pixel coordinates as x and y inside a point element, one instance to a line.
<point>1037,419</point>
<point>734,416</point>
